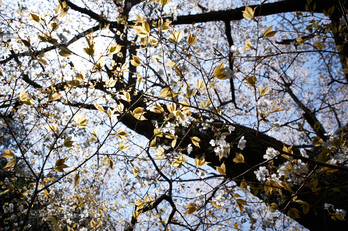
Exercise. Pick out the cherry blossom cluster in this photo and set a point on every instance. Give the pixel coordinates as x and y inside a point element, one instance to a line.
<point>293,171</point>
<point>222,148</point>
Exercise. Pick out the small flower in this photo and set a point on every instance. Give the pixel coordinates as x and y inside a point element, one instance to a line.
<point>341,212</point>
<point>303,153</point>
<point>230,128</point>
<point>241,144</point>
<point>212,143</point>
<point>189,149</point>
<point>270,154</point>
<point>229,73</point>
<point>327,206</point>
<point>261,174</point>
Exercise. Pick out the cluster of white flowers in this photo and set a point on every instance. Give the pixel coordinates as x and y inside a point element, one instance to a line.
<point>342,153</point>
<point>206,125</point>
<point>294,175</point>
<point>270,154</point>
<point>237,50</point>
<point>264,103</point>
<point>261,174</point>
<point>293,171</point>
<point>186,121</point>
<point>222,148</point>
<point>168,128</point>
<point>8,208</point>
<point>340,212</point>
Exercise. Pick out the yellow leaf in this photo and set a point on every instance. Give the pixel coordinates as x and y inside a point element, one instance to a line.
<point>277,110</point>
<point>163,2</point>
<point>263,91</point>
<point>248,45</point>
<point>35,17</point>
<point>268,29</point>
<point>142,30</point>
<point>251,80</point>
<point>221,169</point>
<point>8,154</point>
<point>92,223</point>
<point>216,205</point>
<point>100,108</point>
<point>159,152</point>
<point>52,127</point>
<point>268,188</point>
<point>172,107</point>
<point>121,134</point>
<point>176,36</point>
<point>170,63</point>
<point>135,170</point>
<point>219,72</point>
<point>318,45</point>
<point>111,163</point>
<point>139,113</point>
<point>191,208</point>
<point>75,82</point>
<point>114,49</point>
<point>239,159</point>
<point>64,52</point>
<point>76,179</point>
<point>285,185</point>
<point>273,207</point>
<point>200,161</point>
<point>241,201</point>
<point>200,85</point>
<point>294,213</point>
<point>191,39</point>
<point>54,97</point>
<point>248,13</point>
<point>10,164</point>
<point>81,120</point>
<point>288,150</point>
<point>240,206</point>
<point>123,147</point>
<point>42,61</point>
<point>243,185</point>
<point>135,61</point>
<point>300,41</point>
<point>268,33</point>
<point>195,140</point>
<point>164,91</point>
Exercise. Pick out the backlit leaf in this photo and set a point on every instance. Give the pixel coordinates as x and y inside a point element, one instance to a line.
<point>8,154</point>
<point>11,163</point>
<point>195,140</point>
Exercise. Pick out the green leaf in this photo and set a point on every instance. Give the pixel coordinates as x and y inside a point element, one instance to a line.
<point>76,179</point>
<point>42,61</point>
<point>26,42</point>
<point>35,17</point>
<point>273,207</point>
<point>294,213</point>
<point>64,52</point>
<point>68,143</point>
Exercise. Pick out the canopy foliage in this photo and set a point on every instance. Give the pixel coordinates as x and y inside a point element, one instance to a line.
<point>174,115</point>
